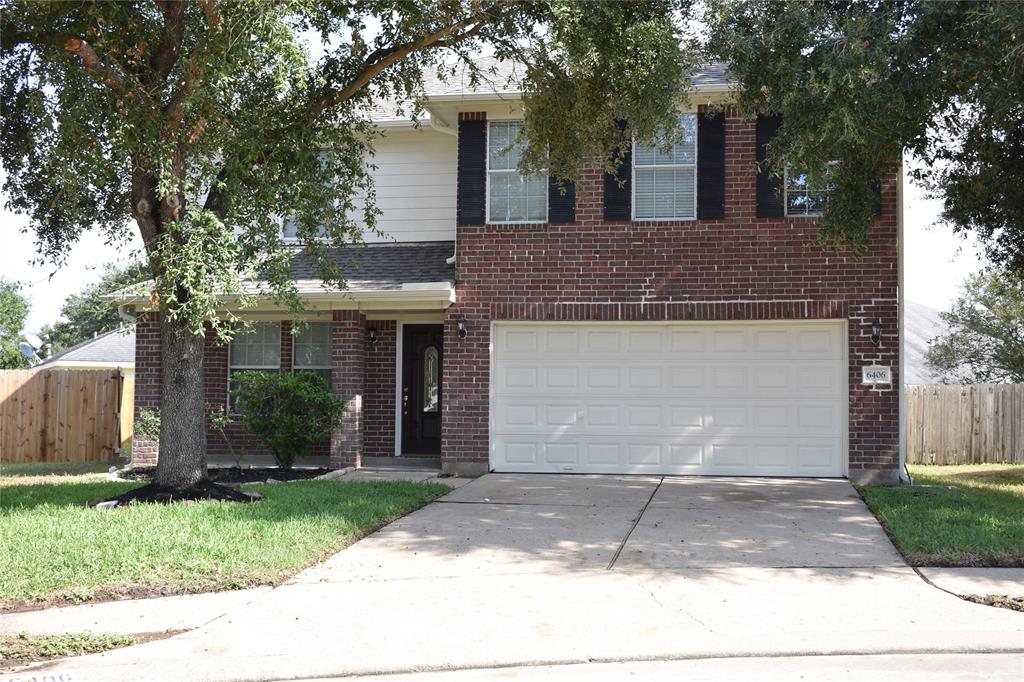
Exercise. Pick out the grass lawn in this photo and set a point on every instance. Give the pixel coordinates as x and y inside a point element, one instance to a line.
<point>970,515</point>
<point>56,549</point>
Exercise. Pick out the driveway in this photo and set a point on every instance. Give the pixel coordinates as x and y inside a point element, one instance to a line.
<point>515,570</point>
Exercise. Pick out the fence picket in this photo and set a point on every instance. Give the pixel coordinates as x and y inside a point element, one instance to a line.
<point>982,423</point>
<point>51,415</point>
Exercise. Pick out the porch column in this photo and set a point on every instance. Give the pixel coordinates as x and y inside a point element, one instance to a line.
<point>348,380</point>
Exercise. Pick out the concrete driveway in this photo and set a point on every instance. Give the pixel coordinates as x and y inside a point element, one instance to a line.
<point>531,569</point>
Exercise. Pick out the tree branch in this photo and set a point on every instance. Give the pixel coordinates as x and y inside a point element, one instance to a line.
<point>92,64</point>
<point>380,60</point>
<point>166,54</point>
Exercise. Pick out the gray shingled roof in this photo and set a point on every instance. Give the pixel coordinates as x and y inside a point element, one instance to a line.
<point>502,76</point>
<point>382,267</point>
<point>117,345</point>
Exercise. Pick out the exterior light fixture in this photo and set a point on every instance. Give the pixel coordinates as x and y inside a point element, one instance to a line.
<point>461,321</point>
<point>371,336</point>
<point>876,331</point>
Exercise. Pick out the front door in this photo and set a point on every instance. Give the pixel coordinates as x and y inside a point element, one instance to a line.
<point>421,388</point>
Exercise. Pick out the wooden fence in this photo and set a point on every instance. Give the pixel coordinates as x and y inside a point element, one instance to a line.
<point>970,424</point>
<point>61,415</point>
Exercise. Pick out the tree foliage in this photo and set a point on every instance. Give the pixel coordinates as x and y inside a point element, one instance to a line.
<point>288,411</point>
<point>203,122</point>
<point>13,311</point>
<point>90,311</point>
<point>865,81</point>
<point>985,343</point>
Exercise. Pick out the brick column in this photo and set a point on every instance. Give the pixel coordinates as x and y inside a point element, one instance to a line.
<point>147,384</point>
<point>348,360</point>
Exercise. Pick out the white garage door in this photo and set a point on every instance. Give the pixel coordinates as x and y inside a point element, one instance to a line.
<point>759,398</point>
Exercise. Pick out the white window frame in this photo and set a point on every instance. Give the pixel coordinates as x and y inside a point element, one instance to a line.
<point>510,171</point>
<point>666,166</point>
<point>295,347</point>
<point>242,368</point>
<point>284,219</point>
<point>785,195</point>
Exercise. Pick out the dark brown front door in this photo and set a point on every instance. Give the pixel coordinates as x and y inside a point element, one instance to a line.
<point>421,388</point>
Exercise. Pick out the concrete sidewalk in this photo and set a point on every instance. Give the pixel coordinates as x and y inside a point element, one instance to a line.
<point>1005,582</point>
<point>129,617</point>
<point>514,571</point>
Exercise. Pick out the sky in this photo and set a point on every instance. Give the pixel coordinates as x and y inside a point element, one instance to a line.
<point>936,261</point>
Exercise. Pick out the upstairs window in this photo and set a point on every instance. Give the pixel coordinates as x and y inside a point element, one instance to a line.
<point>256,348</point>
<point>311,349</point>
<point>665,178</point>
<point>803,199</point>
<point>511,197</point>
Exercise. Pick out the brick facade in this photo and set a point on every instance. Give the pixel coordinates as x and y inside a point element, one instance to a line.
<point>739,267</point>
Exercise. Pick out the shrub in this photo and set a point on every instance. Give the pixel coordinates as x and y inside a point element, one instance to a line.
<point>287,411</point>
<point>148,425</point>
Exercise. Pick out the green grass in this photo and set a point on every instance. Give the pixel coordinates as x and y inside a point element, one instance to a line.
<point>24,647</point>
<point>57,549</point>
<point>970,515</point>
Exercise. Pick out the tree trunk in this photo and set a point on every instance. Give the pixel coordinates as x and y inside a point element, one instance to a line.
<point>182,460</point>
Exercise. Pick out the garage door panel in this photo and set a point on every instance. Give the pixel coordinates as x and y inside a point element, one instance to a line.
<point>743,399</point>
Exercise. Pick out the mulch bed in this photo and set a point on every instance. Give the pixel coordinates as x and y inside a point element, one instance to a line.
<point>228,475</point>
<point>1002,601</point>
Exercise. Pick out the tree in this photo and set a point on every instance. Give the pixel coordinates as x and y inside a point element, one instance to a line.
<point>13,311</point>
<point>865,81</point>
<point>88,313</point>
<point>985,343</point>
<point>202,120</point>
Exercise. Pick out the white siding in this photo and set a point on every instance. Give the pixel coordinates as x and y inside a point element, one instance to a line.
<point>415,183</point>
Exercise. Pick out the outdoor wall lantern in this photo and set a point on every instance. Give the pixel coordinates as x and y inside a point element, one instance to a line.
<point>876,331</point>
<point>371,336</point>
<point>461,321</point>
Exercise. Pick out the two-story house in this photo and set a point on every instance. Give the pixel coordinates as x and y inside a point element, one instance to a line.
<point>679,319</point>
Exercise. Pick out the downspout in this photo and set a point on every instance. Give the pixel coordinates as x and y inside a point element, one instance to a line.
<point>901,296</point>
<point>440,126</point>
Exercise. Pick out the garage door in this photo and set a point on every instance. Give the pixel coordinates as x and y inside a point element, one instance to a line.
<point>764,398</point>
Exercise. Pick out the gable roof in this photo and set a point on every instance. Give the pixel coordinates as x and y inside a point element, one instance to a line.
<point>921,324</point>
<point>500,77</point>
<point>116,347</point>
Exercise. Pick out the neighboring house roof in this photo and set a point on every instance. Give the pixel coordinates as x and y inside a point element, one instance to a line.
<point>921,324</point>
<point>383,267</point>
<point>113,348</point>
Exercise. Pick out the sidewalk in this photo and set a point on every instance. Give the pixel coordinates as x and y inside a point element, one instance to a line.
<point>1005,582</point>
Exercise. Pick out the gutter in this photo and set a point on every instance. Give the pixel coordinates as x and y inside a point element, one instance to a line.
<point>901,297</point>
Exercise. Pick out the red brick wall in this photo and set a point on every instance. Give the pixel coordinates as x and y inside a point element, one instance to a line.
<point>147,383</point>
<point>348,357</point>
<point>737,268</point>
<point>379,399</point>
<point>234,440</point>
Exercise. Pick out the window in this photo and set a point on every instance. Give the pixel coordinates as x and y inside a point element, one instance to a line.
<point>430,374</point>
<point>290,229</point>
<point>511,197</point>
<point>311,349</point>
<point>802,198</point>
<point>665,179</point>
<point>257,348</point>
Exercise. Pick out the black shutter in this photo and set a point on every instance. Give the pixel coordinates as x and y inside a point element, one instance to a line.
<point>878,197</point>
<point>710,165</point>
<point>472,173</point>
<point>618,200</point>
<point>561,207</point>
<point>769,186</point>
